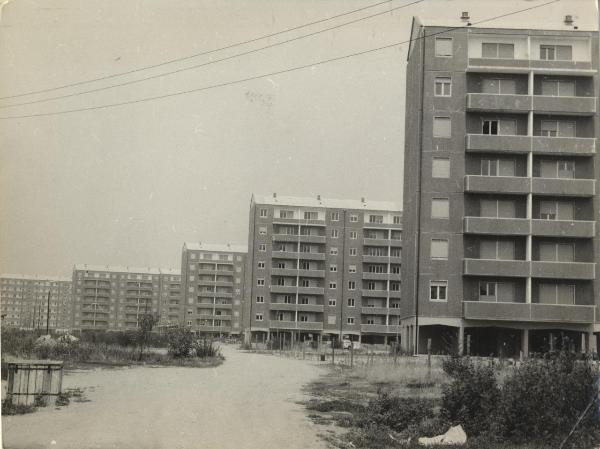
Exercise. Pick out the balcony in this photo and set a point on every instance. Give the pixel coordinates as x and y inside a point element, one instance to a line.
<point>499,102</point>
<point>498,144</point>
<point>294,272</point>
<point>376,276</point>
<point>497,268</point>
<point>278,324</point>
<point>311,290</point>
<point>563,270</point>
<point>374,293</point>
<point>496,226</point>
<point>374,329</point>
<point>310,256</point>
<point>376,242</point>
<point>496,65</point>
<point>289,289</point>
<point>285,255</point>
<point>395,294</point>
<point>563,187</point>
<point>223,294</point>
<point>564,105</point>
<point>311,273</point>
<point>282,306</point>
<point>563,228</point>
<point>509,311</point>
<point>318,308</point>
<point>299,238</point>
<point>568,146</point>
<point>495,184</point>
<point>375,259</point>
<point>374,310</point>
<point>394,311</point>
<point>298,221</point>
<point>208,328</point>
<point>310,325</point>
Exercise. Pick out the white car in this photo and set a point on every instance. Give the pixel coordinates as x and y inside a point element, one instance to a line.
<point>346,344</point>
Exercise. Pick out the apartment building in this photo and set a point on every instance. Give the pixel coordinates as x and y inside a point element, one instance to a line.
<point>213,279</point>
<point>322,268</point>
<point>170,302</point>
<point>24,301</point>
<point>500,190</point>
<point>114,298</point>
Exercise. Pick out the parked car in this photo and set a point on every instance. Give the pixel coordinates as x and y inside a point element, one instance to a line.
<point>347,343</point>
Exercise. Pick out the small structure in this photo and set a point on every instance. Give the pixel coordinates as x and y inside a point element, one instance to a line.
<point>28,379</point>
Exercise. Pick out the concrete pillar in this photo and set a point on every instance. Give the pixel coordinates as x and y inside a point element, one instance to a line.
<point>385,340</point>
<point>593,343</point>
<point>525,343</point>
<point>461,340</point>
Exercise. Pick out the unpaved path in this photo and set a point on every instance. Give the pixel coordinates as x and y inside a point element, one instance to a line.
<point>248,402</point>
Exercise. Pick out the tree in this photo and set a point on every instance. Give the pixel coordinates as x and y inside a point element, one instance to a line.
<point>145,324</point>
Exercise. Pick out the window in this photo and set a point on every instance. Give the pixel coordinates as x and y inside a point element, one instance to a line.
<point>305,265</point>
<point>333,285</point>
<point>350,302</point>
<point>263,213</point>
<point>439,249</point>
<point>260,299</point>
<point>352,251</point>
<point>556,210</point>
<point>286,214</point>
<point>499,86</point>
<point>287,299</point>
<point>398,218</point>
<point>395,286</point>
<point>438,290</point>
<point>280,316</point>
<point>497,167</point>
<point>558,293</point>
<point>350,320</point>
<point>440,208</point>
<point>376,219</point>
<point>353,218</point>
<point>334,233</point>
<point>558,88</point>
<point>335,216</point>
<point>262,247</point>
<point>259,317</point>
<point>304,300</point>
<point>497,209</point>
<point>352,269</point>
<point>304,283</point>
<point>557,169</point>
<point>371,285</point>
<point>262,230</point>
<point>353,235</point>
<point>396,252</point>
<point>331,302</point>
<point>351,285</point>
<point>261,264</point>
<point>443,86</point>
<point>497,50</point>
<point>260,281</point>
<point>441,127</point>
<point>556,52</point>
<point>499,127</point>
<point>443,46</point>
<point>497,250</point>
<point>330,319</point>
<point>333,251</point>
<point>557,252</point>
<point>310,215</point>
<point>554,128</point>
<point>333,268</point>
<point>303,318</point>
<point>440,168</point>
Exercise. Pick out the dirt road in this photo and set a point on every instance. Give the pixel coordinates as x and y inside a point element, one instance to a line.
<point>248,402</point>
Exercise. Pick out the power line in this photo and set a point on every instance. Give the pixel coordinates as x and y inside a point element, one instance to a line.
<point>280,72</point>
<point>256,50</point>
<point>195,55</point>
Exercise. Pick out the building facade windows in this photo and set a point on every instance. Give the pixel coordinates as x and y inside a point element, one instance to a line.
<point>443,86</point>
<point>442,127</point>
<point>440,208</point>
<point>439,249</point>
<point>440,168</point>
<point>443,46</point>
<point>497,50</point>
<point>438,290</point>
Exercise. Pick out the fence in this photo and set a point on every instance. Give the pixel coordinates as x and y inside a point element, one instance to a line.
<point>28,380</point>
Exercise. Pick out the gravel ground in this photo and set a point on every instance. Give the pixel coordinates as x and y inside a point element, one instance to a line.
<point>248,402</point>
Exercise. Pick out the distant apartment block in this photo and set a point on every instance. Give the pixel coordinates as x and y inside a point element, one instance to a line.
<point>213,279</point>
<point>114,298</point>
<point>500,190</point>
<point>323,268</point>
<point>24,301</point>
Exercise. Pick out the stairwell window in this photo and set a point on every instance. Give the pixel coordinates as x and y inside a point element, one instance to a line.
<point>439,249</point>
<point>443,86</point>
<point>440,168</point>
<point>438,290</point>
<point>440,208</point>
<point>443,46</point>
<point>264,213</point>
<point>556,52</point>
<point>442,127</point>
<point>260,299</point>
<point>259,317</point>
<point>351,320</point>
<point>351,302</point>
<point>497,50</point>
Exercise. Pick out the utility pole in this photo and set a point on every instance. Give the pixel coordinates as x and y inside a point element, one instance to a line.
<point>48,315</point>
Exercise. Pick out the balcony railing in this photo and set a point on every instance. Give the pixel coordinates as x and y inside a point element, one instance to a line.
<point>563,270</point>
<point>512,311</point>
<point>488,267</point>
<point>496,102</point>
<point>495,184</point>
<point>577,146</point>
<point>563,187</point>
<point>564,228</point>
<point>524,65</point>
<point>374,310</point>
<point>496,226</point>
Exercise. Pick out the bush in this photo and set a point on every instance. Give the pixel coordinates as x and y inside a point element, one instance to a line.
<point>472,396</point>
<point>181,342</point>
<point>542,399</point>
<point>8,408</point>
<point>206,348</point>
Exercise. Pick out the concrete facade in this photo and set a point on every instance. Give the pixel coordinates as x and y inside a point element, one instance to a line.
<point>500,190</point>
<point>213,279</point>
<point>24,301</point>
<point>322,267</point>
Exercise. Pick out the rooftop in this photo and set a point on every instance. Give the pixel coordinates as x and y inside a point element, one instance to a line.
<point>216,247</point>
<point>125,269</point>
<point>332,203</point>
<point>35,277</point>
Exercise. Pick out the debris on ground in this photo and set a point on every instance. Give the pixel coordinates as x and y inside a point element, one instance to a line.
<point>454,436</point>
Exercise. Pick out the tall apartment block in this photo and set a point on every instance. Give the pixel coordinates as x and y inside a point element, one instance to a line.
<point>114,298</point>
<point>323,268</point>
<point>24,301</point>
<point>500,190</point>
<point>213,278</point>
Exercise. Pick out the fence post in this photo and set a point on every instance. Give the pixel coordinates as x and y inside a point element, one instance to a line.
<point>468,344</point>
<point>429,357</point>
<point>351,353</point>
<point>332,352</point>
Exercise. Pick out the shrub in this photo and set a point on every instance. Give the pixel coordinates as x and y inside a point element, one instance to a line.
<point>206,348</point>
<point>542,399</point>
<point>181,342</point>
<point>8,408</point>
<point>471,398</point>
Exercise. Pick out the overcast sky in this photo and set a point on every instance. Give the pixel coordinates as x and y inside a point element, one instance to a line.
<point>128,185</point>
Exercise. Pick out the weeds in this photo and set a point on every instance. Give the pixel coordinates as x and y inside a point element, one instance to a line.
<point>8,408</point>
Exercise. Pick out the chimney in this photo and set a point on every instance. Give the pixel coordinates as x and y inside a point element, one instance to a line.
<point>465,16</point>
<point>568,19</point>
<point>274,194</point>
<point>319,197</point>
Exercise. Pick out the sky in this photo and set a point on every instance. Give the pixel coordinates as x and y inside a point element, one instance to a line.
<point>129,185</point>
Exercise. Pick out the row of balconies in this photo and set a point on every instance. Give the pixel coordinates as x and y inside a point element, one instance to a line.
<point>321,274</point>
<point>323,240</point>
<point>524,103</point>
<point>293,289</point>
<point>216,272</point>
<point>523,65</point>
<point>318,326</point>
<point>210,305</point>
<point>523,185</point>
<point>320,308</point>
<point>526,226</point>
<point>524,268</point>
<point>212,294</point>
<point>513,311</point>
<point>582,146</point>
<point>208,316</point>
